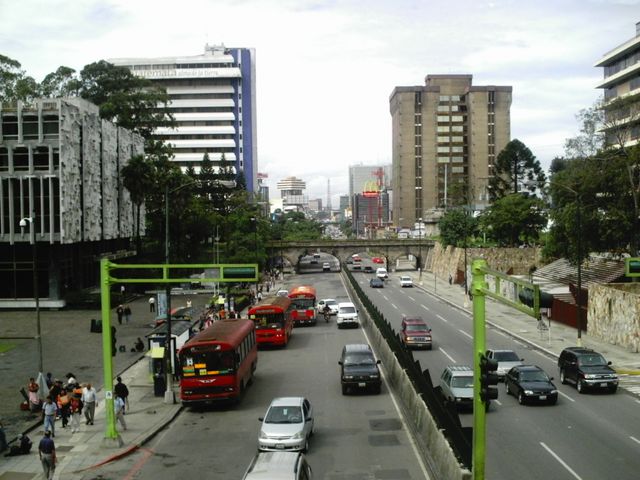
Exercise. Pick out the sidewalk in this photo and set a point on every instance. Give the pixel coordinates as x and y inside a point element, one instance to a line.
<point>523,327</point>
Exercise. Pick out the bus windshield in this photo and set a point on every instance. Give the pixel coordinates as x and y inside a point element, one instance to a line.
<point>207,363</point>
<point>268,320</point>
<point>303,303</point>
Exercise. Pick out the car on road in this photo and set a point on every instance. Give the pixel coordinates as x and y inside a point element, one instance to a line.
<point>530,383</point>
<point>356,258</point>
<point>378,260</point>
<point>507,359</point>
<point>376,283</point>
<point>359,368</point>
<point>456,384</point>
<point>326,267</point>
<point>287,425</point>
<point>282,293</point>
<point>415,333</point>
<point>357,266</point>
<point>406,281</point>
<point>333,306</point>
<point>279,466</point>
<point>368,269</point>
<point>382,273</point>
<point>586,369</point>
<point>347,315</point>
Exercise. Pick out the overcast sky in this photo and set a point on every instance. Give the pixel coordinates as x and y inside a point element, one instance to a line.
<point>325,69</point>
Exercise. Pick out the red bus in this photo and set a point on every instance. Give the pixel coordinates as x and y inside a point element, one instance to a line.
<point>272,317</point>
<point>218,363</point>
<point>303,303</point>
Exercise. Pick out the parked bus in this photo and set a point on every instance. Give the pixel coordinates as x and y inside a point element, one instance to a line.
<point>303,303</point>
<point>218,363</point>
<point>272,317</point>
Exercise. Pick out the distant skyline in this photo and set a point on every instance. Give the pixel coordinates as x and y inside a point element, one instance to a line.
<point>325,69</point>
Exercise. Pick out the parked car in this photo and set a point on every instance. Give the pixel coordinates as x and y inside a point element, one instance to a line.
<point>530,383</point>
<point>333,305</point>
<point>376,283</point>
<point>326,267</point>
<point>406,281</point>
<point>279,466</point>
<point>382,273</point>
<point>347,315</point>
<point>586,369</point>
<point>415,333</point>
<point>378,260</point>
<point>359,368</point>
<point>287,425</point>
<point>456,383</point>
<point>507,359</point>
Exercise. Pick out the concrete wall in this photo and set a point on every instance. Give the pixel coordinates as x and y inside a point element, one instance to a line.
<point>614,314</point>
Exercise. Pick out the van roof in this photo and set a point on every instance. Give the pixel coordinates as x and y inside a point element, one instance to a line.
<point>345,304</point>
<point>273,466</point>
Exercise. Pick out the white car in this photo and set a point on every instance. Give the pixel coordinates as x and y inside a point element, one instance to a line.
<point>347,315</point>
<point>326,267</point>
<point>333,306</point>
<point>507,359</point>
<point>287,425</point>
<point>382,273</point>
<point>405,281</point>
<point>282,293</point>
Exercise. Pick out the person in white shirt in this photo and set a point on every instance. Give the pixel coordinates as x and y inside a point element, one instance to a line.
<point>90,401</point>
<point>118,405</point>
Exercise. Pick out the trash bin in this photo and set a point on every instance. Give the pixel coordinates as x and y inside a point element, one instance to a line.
<point>96,326</point>
<point>159,385</point>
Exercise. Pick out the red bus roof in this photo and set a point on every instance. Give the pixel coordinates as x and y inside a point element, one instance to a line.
<point>271,304</point>
<point>304,291</point>
<point>230,331</point>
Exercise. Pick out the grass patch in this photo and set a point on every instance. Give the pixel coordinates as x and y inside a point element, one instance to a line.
<point>5,347</point>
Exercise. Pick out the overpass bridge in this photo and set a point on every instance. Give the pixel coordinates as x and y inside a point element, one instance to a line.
<point>392,249</point>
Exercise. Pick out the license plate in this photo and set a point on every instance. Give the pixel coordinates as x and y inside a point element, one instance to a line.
<point>543,397</point>
<point>362,384</point>
<point>279,445</point>
<point>603,384</point>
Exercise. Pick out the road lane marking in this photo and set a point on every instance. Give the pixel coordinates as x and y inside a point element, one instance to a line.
<point>394,306</point>
<point>566,396</point>
<point>562,462</point>
<point>499,332</point>
<point>497,402</point>
<point>442,318</point>
<point>383,296</point>
<point>447,355</point>
<point>634,439</point>
<point>465,334</point>
<point>413,299</point>
<point>425,307</point>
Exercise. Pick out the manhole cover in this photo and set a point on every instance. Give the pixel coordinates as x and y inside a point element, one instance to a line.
<point>383,440</point>
<point>385,424</point>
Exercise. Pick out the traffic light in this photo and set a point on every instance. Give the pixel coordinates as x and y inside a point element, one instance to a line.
<point>488,379</point>
<point>632,267</point>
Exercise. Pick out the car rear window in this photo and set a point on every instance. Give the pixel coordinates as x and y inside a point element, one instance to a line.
<point>462,382</point>
<point>347,310</point>
<point>506,357</point>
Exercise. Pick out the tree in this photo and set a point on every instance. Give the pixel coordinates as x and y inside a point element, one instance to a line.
<point>514,219</point>
<point>590,140</point>
<point>456,226</point>
<point>15,84</point>
<point>137,177</point>
<point>61,83</point>
<point>516,168</point>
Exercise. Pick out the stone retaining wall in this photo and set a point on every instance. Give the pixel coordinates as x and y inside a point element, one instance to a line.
<point>614,314</point>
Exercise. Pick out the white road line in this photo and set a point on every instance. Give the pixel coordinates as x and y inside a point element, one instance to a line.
<point>497,402</point>
<point>383,296</point>
<point>500,332</point>
<point>413,299</point>
<point>566,396</point>
<point>393,305</point>
<point>634,439</point>
<point>425,307</point>
<point>562,462</point>
<point>447,355</point>
<point>465,334</point>
<point>637,401</point>
<point>442,318</point>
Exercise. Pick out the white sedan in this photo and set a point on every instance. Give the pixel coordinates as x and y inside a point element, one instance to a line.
<point>405,281</point>
<point>333,306</point>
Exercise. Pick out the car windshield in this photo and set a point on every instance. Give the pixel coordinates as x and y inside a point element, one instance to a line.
<point>359,359</point>
<point>348,310</point>
<point>537,376</point>
<point>592,360</point>
<point>462,382</point>
<point>506,357</point>
<point>284,414</point>
<point>416,328</point>
<point>331,302</point>
<point>405,279</point>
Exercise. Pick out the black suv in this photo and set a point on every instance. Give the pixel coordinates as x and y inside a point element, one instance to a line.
<point>586,369</point>
<point>359,368</point>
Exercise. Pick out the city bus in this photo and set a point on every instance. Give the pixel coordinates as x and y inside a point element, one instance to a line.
<point>219,362</point>
<point>272,317</point>
<point>303,305</point>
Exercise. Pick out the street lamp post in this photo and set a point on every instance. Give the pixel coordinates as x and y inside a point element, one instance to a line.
<point>420,250</point>
<point>33,240</point>
<point>254,222</point>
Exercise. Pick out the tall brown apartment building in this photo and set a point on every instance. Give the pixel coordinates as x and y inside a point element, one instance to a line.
<point>446,137</point>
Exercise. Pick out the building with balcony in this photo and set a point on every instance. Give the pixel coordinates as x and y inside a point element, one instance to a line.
<point>60,167</point>
<point>446,136</point>
<point>213,100</point>
<point>292,192</point>
<point>621,85</point>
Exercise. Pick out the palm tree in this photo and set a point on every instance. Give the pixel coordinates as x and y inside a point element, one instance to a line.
<point>137,177</point>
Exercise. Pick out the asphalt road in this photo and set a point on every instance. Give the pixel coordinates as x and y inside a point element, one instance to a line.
<point>357,436</point>
<point>592,436</point>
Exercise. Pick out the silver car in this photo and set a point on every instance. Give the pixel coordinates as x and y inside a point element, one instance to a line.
<point>287,425</point>
<point>507,359</point>
<point>456,383</point>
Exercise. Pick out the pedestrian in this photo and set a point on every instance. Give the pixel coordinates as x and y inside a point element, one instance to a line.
<point>188,303</point>
<point>49,380</point>
<point>90,401</point>
<point>71,381</point>
<point>139,345</point>
<point>122,293</point>
<point>23,447</point>
<point>34,400</point>
<point>127,314</point>
<point>118,405</point>
<point>55,390</point>
<point>260,295</point>
<point>122,391</point>
<point>63,404</point>
<point>450,279</point>
<point>120,313</point>
<point>152,304</point>
<point>75,408</point>
<point>49,410</point>
<point>47,453</point>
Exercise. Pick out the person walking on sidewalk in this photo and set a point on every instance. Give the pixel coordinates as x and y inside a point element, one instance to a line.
<point>47,453</point>
<point>120,313</point>
<point>122,391</point>
<point>49,410</point>
<point>118,406</point>
<point>152,304</point>
<point>127,314</point>
<point>90,400</point>
<point>75,407</point>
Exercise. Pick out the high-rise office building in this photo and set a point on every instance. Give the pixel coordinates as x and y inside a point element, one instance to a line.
<point>446,136</point>
<point>361,177</point>
<point>292,192</point>
<point>213,99</point>
<point>621,86</point>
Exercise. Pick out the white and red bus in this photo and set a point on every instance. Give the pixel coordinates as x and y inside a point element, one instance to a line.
<point>272,317</point>
<point>303,303</point>
<point>218,363</point>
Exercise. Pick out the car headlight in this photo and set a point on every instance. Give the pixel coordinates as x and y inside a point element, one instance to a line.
<point>263,435</point>
<point>298,436</point>
<point>528,392</point>
<point>553,392</point>
<point>348,377</point>
<point>373,376</point>
<point>590,376</point>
